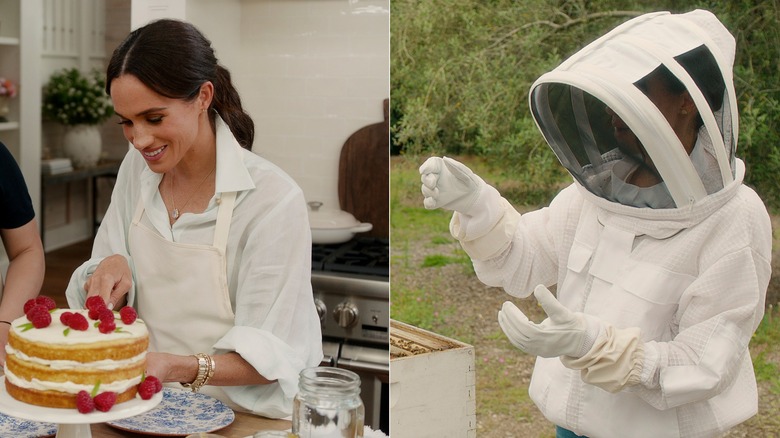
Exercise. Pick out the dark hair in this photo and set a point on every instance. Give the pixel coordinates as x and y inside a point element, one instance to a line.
<point>703,69</point>
<point>174,59</point>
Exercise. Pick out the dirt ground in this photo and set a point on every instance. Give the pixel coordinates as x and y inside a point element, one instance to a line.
<point>475,312</point>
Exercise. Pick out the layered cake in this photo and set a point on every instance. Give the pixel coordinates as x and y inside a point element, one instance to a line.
<point>49,362</point>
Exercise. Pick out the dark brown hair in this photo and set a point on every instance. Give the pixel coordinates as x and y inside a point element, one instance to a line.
<point>174,59</point>
<point>703,69</point>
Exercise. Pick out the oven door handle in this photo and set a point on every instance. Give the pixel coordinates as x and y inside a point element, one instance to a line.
<point>361,365</point>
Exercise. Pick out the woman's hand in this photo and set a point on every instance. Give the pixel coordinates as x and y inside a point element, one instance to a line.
<point>171,367</point>
<point>111,280</point>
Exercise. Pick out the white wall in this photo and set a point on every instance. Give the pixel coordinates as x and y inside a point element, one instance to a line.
<point>312,72</point>
<point>309,72</point>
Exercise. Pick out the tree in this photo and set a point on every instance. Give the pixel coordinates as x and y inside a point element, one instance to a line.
<point>461,71</point>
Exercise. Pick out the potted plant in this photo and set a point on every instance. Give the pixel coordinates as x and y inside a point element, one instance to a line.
<point>7,92</point>
<point>79,102</point>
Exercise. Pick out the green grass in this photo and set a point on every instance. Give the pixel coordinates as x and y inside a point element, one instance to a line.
<point>767,371</point>
<point>411,222</point>
<point>415,307</point>
<point>768,332</point>
<point>765,342</point>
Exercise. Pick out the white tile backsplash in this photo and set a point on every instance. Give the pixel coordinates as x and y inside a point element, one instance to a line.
<point>312,72</point>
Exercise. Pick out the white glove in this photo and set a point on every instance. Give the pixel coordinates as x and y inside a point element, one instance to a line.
<point>563,333</point>
<point>449,184</point>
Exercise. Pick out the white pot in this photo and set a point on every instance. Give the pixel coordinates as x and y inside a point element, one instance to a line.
<point>333,226</point>
<point>83,145</point>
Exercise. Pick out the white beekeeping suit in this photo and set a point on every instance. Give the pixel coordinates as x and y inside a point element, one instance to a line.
<point>660,254</point>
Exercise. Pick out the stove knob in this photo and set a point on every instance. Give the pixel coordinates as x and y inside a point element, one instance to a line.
<point>346,314</point>
<point>322,310</point>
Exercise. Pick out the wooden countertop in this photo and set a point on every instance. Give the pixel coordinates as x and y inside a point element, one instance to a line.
<point>244,426</point>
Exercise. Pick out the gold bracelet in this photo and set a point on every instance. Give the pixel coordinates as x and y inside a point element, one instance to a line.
<point>204,364</point>
<point>211,369</point>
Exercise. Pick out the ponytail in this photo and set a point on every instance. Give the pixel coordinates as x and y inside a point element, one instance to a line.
<point>227,103</point>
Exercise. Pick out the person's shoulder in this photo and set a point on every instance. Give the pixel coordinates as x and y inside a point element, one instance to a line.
<point>6,158</point>
<point>570,197</point>
<point>747,200</point>
<point>745,213</point>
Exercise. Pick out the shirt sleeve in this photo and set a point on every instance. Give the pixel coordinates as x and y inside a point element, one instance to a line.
<point>277,328</point>
<point>719,312</point>
<point>15,204</point>
<point>531,256</point>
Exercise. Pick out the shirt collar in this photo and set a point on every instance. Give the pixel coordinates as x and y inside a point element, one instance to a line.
<point>232,174</point>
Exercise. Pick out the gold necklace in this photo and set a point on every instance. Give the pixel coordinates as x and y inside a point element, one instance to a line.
<point>175,212</point>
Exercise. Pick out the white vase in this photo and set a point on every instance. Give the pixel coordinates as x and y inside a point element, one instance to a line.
<point>83,145</point>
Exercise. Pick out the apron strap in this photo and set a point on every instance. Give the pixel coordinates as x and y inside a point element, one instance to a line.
<point>224,217</point>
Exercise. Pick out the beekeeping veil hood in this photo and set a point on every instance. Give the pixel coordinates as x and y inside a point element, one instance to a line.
<point>595,111</point>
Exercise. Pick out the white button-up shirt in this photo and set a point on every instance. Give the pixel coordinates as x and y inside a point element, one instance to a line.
<point>268,255</point>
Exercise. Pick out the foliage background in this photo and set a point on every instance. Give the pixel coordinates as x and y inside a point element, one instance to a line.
<point>461,71</point>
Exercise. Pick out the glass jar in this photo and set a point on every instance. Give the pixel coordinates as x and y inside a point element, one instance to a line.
<point>328,404</point>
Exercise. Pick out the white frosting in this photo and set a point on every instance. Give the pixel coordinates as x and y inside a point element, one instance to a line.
<point>53,334</point>
<point>118,386</point>
<point>105,364</point>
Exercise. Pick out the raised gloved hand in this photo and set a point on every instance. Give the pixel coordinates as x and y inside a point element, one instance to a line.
<point>563,333</point>
<point>449,184</point>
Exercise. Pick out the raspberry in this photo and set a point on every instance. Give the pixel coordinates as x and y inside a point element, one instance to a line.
<point>157,384</point>
<point>78,322</point>
<point>94,302</point>
<point>41,319</point>
<point>104,401</point>
<point>107,326</point>
<point>104,314</point>
<point>94,314</point>
<point>38,308</point>
<point>147,389</point>
<point>128,315</point>
<point>84,402</point>
<point>29,305</point>
<point>46,301</point>
<point>65,317</point>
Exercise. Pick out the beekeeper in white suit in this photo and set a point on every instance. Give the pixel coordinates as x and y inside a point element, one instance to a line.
<point>660,254</point>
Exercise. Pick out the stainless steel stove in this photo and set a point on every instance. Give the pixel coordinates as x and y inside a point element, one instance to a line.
<point>351,289</point>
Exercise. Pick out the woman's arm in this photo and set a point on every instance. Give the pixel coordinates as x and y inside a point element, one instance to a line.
<point>230,369</point>
<point>25,274</point>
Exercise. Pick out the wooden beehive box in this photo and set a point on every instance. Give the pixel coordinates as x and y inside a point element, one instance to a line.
<point>432,384</point>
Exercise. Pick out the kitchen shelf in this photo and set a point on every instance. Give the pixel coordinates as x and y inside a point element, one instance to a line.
<point>9,41</point>
<point>7,126</point>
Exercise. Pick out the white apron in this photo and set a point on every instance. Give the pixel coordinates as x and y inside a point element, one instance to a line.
<point>185,277</point>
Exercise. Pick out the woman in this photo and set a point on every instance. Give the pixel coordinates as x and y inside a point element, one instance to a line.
<point>22,243</point>
<point>661,256</point>
<point>208,241</point>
